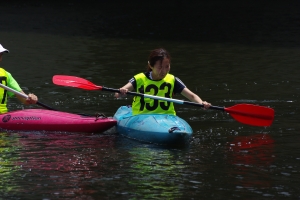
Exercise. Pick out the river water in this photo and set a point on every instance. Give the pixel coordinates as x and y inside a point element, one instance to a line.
<point>227,53</point>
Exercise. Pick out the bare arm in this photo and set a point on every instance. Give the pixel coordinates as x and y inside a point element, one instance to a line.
<point>194,97</point>
<point>124,89</point>
<point>32,99</point>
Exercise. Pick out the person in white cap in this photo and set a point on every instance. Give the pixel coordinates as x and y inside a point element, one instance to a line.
<point>7,79</point>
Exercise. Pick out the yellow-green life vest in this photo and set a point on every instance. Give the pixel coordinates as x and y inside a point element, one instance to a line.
<point>3,93</point>
<point>163,88</point>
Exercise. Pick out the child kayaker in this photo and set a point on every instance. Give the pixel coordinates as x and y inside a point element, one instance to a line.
<point>7,79</point>
<point>157,81</point>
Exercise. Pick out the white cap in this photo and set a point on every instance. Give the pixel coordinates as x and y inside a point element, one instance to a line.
<point>3,50</point>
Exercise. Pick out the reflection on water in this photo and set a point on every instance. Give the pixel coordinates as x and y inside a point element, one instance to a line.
<point>251,158</point>
<point>248,142</point>
<point>61,165</point>
<point>155,173</point>
<point>54,164</point>
<point>8,170</point>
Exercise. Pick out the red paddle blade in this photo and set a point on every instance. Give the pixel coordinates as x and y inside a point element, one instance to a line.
<point>73,81</point>
<point>252,114</point>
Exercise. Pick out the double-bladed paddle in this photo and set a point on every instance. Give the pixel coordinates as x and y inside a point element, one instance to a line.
<point>24,96</point>
<point>245,113</point>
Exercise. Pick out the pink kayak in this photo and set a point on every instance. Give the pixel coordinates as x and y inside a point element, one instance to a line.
<point>49,120</point>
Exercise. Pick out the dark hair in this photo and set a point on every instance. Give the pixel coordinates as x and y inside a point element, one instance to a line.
<point>155,55</point>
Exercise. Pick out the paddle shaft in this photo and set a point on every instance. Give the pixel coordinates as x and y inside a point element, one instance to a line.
<point>24,96</point>
<point>231,111</point>
<point>161,98</point>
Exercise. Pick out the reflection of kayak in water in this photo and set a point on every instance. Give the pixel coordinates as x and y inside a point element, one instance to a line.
<point>49,120</point>
<point>64,152</point>
<point>159,129</point>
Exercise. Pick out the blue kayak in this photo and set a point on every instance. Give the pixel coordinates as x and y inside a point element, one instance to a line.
<point>161,129</point>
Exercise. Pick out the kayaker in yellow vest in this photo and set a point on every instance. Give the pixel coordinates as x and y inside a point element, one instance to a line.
<point>7,79</point>
<point>157,81</point>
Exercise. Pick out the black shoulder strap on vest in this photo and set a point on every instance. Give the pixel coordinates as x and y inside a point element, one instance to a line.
<point>3,80</point>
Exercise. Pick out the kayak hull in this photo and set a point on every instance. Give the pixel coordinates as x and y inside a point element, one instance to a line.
<point>49,120</point>
<point>161,129</point>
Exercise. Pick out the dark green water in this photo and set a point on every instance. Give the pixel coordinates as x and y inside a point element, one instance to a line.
<point>228,53</point>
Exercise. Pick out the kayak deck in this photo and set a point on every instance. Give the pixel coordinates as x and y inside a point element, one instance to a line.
<point>49,120</point>
<point>158,129</point>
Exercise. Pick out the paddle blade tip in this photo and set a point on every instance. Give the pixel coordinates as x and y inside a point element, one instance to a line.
<point>74,81</point>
